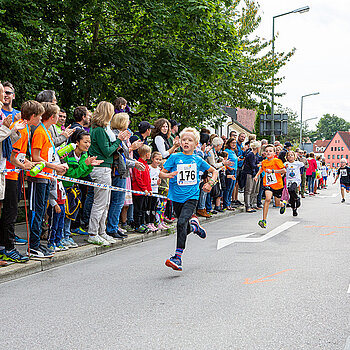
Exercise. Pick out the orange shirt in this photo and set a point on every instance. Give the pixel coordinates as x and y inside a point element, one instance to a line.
<point>273,180</point>
<point>41,141</point>
<point>20,148</point>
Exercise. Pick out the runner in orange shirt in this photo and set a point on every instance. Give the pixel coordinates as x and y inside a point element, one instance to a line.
<point>273,183</point>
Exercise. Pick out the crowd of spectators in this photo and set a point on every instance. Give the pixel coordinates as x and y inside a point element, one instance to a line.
<point>102,149</point>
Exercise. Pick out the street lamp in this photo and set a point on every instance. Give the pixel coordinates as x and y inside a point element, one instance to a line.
<point>299,10</point>
<point>301,114</point>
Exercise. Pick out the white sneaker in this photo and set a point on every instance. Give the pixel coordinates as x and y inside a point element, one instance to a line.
<point>98,240</point>
<point>108,238</point>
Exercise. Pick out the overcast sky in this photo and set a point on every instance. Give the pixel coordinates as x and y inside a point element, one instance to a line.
<point>321,62</point>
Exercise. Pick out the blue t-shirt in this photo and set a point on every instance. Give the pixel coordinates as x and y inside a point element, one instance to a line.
<point>14,112</point>
<point>232,156</point>
<point>185,185</point>
<point>240,154</point>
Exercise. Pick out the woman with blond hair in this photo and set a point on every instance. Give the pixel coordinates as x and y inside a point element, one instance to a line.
<point>103,144</point>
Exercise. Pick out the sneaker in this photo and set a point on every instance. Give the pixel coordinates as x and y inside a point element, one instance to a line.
<point>122,233</point>
<point>108,238</point>
<point>128,228</point>
<point>262,223</point>
<point>295,212</point>
<point>98,240</point>
<point>49,250</point>
<point>238,203</point>
<point>13,255</point>
<point>199,230</point>
<point>66,243</point>
<point>116,235</point>
<point>219,210</point>
<point>20,241</point>
<point>174,263</point>
<point>283,208</point>
<point>53,247</point>
<point>121,230</point>
<point>79,231</point>
<point>154,228</point>
<point>61,246</point>
<point>40,252</point>
<point>141,229</point>
<point>72,243</point>
<point>169,221</point>
<point>163,226</point>
<point>343,200</point>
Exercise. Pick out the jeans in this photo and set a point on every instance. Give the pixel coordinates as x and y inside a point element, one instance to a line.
<point>116,205</point>
<point>130,214</point>
<point>202,199</point>
<point>56,221</point>
<point>66,228</point>
<point>38,196</point>
<point>311,182</point>
<point>230,184</point>
<point>184,213</point>
<point>208,202</point>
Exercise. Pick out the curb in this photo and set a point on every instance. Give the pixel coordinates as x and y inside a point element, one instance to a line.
<point>15,271</point>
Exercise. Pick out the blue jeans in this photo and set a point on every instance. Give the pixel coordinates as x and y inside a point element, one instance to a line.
<point>56,221</point>
<point>66,229</point>
<point>311,182</point>
<point>87,205</point>
<point>208,203</point>
<point>116,205</point>
<point>230,184</point>
<point>130,214</point>
<point>202,199</point>
<point>39,195</point>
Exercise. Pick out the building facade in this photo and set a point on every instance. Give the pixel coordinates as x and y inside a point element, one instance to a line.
<point>338,148</point>
<point>320,146</point>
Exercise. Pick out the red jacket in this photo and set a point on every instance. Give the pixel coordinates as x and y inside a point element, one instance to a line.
<point>141,180</point>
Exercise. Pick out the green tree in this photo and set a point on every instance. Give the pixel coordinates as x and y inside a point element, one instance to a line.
<point>328,125</point>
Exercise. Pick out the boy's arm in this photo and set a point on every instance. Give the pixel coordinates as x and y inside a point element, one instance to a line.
<point>209,185</point>
<point>258,174</point>
<point>60,168</point>
<point>164,174</point>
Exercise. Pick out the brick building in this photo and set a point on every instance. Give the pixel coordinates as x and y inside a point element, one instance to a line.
<point>338,148</point>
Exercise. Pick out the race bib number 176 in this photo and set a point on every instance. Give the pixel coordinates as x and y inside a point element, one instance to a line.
<point>187,174</point>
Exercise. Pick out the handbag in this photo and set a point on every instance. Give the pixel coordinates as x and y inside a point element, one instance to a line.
<point>215,191</point>
<point>285,193</point>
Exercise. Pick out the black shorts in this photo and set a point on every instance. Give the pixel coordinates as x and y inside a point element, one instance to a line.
<point>275,193</point>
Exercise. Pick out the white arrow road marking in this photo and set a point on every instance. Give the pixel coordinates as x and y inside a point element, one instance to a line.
<point>246,239</point>
<point>349,289</point>
<point>332,196</point>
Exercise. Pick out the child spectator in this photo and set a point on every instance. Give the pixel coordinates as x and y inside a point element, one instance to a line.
<point>56,213</point>
<point>324,173</point>
<point>42,150</point>
<point>183,171</point>
<point>344,174</point>
<point>154,171</point>
<point>273,183</point>
<point>141,181</point>
<point>31,112</point>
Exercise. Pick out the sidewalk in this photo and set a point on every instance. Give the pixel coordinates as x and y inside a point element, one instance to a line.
<point>85,250</point>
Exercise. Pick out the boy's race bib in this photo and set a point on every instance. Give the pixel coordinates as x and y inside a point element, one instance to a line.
<point>20,157</point>
<point>187,174</point>
<point>343,172</point>
<point>271,179</point>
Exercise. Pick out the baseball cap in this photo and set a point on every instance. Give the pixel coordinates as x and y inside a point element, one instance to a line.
<point>288,144</point>
<point>143,126</point>
<point>173,122</point>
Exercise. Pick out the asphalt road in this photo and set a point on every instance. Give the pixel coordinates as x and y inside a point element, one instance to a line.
<point>290,291</point>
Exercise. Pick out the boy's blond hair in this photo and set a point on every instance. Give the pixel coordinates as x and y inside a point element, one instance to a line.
<point>143,150</point>
<point>191,131</point>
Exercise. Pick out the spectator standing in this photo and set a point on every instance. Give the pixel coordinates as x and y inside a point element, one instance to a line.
<point>230,170</point>
<point>240,154</point>
<point>287,147</point>
<point>140,137</point>
<point>174,130</point>
<point>103,145</point>
<point>10,95</point>
<point>311,173</point>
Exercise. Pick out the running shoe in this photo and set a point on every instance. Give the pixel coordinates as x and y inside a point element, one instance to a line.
<point>163,226</point>
<point>72,243</point>
<point>343,200</point>
<point>141,229</point>
<point>20,241</point>
<point>53,247</point>
<point>169,221</point>
<point>122,230</point>
<point>283,208</point>
<point>108,238</point>
<point>40,252</point>
<point>174,263</point>
<point>98,240</point>
<point>127,228</point>
<point>79,231</point>
<point>295,212</point>
<point>198,229</point>
<point>262,223</point>
<point>122,233</point>
<point>152,227</point>
<point>66,243</point>
<point>13,255</point>
<point>61,245</point>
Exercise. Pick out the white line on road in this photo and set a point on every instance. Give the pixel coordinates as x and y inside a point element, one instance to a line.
<point>224,242</point>
<point>332,196</point>
<point>349,289</point>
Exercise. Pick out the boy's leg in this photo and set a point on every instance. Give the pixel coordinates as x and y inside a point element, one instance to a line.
<point>60,225</point>
<point>268,197</point>
<point>184,212</point>
<point>138,203</point>
<point>342,192</point>
<point>9,215</point>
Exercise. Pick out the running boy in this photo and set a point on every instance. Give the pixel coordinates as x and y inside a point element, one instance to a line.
<point>272,181</point>
<point>183,170</point>
<point>344,173</point>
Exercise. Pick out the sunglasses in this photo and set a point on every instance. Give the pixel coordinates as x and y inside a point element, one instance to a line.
<point>9,92</point>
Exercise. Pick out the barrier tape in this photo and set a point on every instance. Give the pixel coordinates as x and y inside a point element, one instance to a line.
<point>88,183</point>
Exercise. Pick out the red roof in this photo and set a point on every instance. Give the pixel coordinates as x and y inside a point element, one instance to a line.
<point>345,135</point>
<point>320,143</point>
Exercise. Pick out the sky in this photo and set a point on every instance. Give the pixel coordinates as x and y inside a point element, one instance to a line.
<point>321,62</point>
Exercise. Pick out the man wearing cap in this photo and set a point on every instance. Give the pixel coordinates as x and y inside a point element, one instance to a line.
<point>174,130</point>
<point>144,132</point>
<point>287,147</point>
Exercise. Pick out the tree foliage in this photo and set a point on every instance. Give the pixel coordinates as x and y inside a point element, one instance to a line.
<point>328,125</point>
<point>179,59</point>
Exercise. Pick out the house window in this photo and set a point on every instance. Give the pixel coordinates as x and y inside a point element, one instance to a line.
<point>346,156</point>
<point>342,148</point>
<point>337,164</point>
<point>333,164</point>
<point>337,156</point>
<point>329,157</point>
<point>331,148</point>
<point>333,156</point>
<point>338,148</point>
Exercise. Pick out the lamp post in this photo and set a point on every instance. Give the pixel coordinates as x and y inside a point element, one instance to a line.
<point>301,114</point>
<point>299,10</point>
